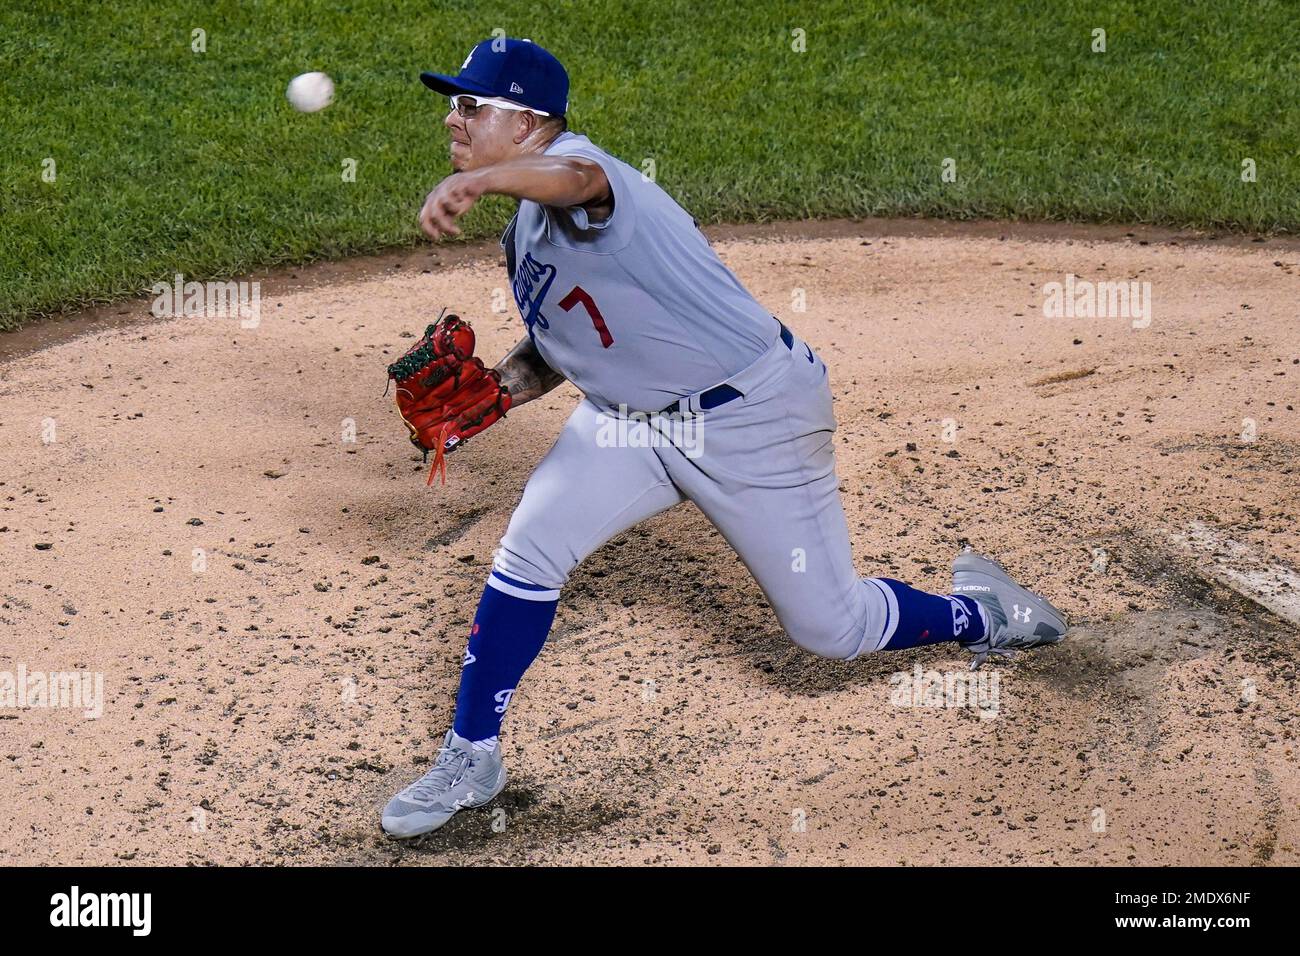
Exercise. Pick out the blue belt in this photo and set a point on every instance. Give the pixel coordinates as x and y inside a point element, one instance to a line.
<point>721,394</point>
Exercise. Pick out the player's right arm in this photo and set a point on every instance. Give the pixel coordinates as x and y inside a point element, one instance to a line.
<point>525,373</point>
<point>559,181</point>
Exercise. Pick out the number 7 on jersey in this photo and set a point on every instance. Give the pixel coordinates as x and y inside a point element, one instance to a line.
<point>579,294</point>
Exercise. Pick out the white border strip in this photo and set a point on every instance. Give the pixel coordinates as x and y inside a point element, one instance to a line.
<point>499,585</point>
<point>1273,585</point>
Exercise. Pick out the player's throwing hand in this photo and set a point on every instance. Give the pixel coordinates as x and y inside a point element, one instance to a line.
<point>452,198</point>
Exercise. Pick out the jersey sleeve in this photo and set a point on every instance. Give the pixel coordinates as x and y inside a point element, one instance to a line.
<point>572,226</point>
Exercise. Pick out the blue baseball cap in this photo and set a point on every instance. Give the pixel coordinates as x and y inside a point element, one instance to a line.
<point>515,70</point>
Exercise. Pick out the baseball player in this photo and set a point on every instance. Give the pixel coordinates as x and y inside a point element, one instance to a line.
<point>710,397</point>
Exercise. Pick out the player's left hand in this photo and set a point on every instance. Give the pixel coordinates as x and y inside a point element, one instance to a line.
<point>452,198</point>
<point>444,392</point>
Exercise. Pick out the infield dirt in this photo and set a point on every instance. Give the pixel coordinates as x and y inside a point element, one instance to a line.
<point>279,611</point>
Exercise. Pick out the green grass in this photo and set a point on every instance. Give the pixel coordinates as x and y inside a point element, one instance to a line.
<point>169,160</point>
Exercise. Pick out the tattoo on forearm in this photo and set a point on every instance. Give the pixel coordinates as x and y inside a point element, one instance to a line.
<point>525,373</point>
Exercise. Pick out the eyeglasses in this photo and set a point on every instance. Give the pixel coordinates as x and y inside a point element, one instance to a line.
<point>468,106</point>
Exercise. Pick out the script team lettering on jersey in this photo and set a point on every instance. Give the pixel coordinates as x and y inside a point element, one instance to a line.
<point>532,280</point>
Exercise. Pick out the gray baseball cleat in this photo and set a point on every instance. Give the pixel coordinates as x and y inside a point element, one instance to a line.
<point>1033,621</point>
<point>461,777</point>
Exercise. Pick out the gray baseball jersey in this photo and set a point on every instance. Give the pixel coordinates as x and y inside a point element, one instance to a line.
<point>635,310</point>
<point>639,311</point>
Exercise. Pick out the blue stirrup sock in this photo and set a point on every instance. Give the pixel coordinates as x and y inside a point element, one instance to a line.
<point>514,618</point>
<point>510,627</point>
<point>918,618</point>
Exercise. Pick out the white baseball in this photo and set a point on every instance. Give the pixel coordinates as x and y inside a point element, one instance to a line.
<point>310,92</point>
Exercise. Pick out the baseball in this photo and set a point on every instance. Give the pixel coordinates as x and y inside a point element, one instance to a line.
<point>310,92</point>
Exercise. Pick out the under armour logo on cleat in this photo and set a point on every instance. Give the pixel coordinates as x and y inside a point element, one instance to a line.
<point>1021,614</point>
<point>463,802</point>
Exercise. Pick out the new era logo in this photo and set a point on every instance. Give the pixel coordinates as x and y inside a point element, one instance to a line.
<point>516,88</point>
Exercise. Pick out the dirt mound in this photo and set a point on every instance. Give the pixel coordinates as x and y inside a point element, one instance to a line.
<point>229,526</point>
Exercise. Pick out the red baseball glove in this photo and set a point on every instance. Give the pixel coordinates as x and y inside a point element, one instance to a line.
<point>444,393</point>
